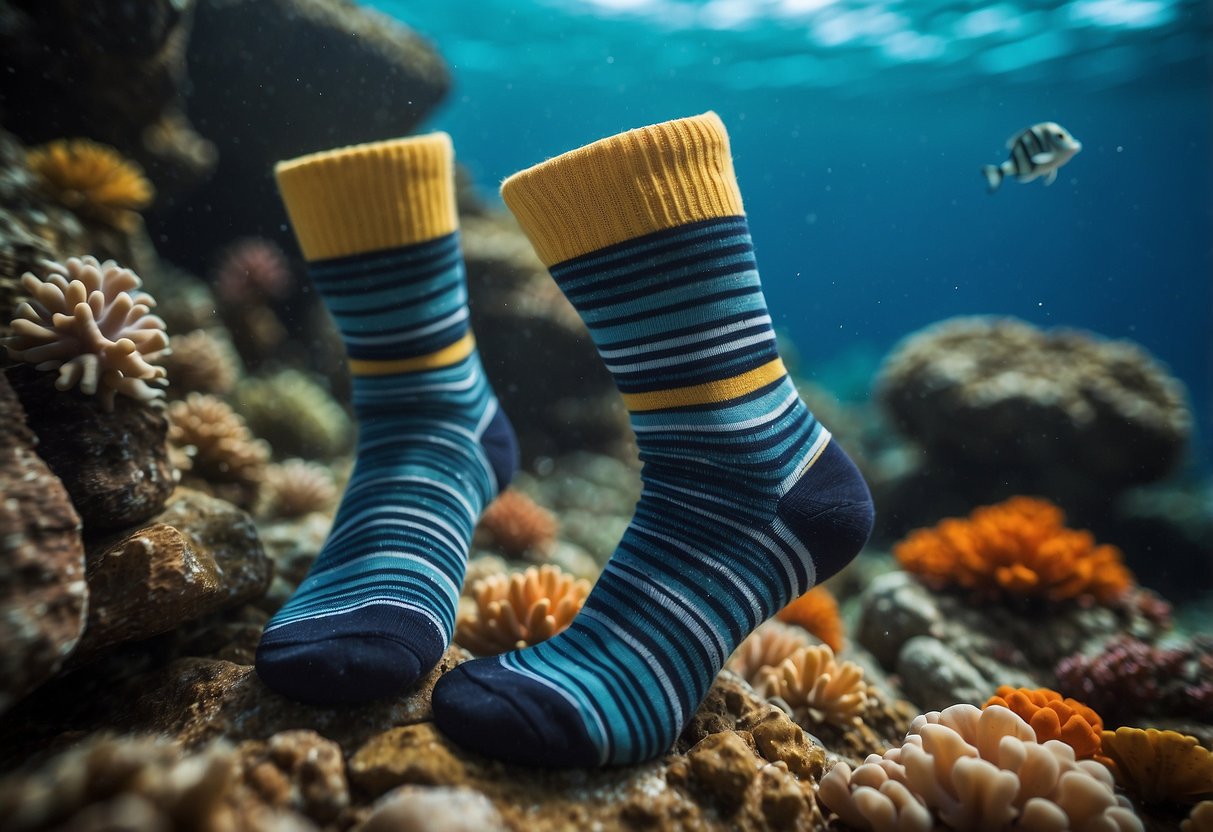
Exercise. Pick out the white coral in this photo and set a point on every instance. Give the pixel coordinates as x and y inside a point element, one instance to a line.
<point>970,769</point>
<point>815,685</point>
<point>87,320</point>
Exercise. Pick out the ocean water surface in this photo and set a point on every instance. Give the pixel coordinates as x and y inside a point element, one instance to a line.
<point>859,128</point>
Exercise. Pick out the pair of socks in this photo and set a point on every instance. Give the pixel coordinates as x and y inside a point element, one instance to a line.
<point>746,503</point>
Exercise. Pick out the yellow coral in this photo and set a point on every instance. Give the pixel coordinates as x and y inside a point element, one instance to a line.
<point>1160,766</point>
<point>817,686</point>
<point>1053,717</point>
<point>520,609</point>
<point>1020,547</point>
<point>982,770</point>
<point>766,647</point>
<point>515,524</point>
<point>817,612</point>
<point>88,320</point>
<point>92,179</point>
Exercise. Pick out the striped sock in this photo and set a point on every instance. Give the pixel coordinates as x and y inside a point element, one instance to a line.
<point>746,502</point>
<point>377,225</point>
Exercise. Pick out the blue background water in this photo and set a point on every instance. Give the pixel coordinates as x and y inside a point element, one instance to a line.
<point>859,129</point>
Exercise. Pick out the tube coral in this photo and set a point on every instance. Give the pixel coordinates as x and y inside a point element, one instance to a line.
<point>1017,547</point>
<point>1053,717</point>
<point>88,320</point>
<point>817,612</point>
<point>520,609</point>
<point>93,179</point>
<point>980,770</point>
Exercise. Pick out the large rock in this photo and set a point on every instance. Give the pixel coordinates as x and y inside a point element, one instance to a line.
<point>198,556</point>
<point>272,79</point>
<point>43,596</point>
<point>112,72</point>
<point>115,465</point>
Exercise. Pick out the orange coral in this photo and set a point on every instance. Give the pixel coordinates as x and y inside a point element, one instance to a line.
<point>1053,717</point>
<point>815,685</point>
<point>1159,766</point>
<point>1020,547</point>
<point>515,524</point>
<point>92,179</point>
<point>520,609</point>
<point>817,612</point>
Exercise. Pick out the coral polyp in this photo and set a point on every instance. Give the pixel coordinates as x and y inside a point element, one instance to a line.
<point>520,609</point>
<point>89,321</point>
<point>93,179</point>
<point>816,686</point>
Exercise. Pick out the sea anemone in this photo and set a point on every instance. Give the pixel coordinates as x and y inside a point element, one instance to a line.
<point>92,179</point>
<point>295,488</point>
<point>88,320</point>
<point>514,524</point>
<point>1019,547</point>
<point>1160,766</point>
<point>768,646</point>
<point>201,362</point>
<point>817,612</point>
<point>981,770</point>
<point>219,447</point>
<point>815,686</point>
<point>1053,717</point>
<point>1130,679</point>
<point>252,270</point>
<point>514,611</point>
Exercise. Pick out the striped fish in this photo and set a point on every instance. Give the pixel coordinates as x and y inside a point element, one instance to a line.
<point>1038,151</point>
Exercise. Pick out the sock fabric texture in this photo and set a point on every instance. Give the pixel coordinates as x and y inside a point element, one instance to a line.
<point>377,225</point>
<point>746,502</point>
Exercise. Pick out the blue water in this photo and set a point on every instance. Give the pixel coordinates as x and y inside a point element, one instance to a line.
<point>858,131</point>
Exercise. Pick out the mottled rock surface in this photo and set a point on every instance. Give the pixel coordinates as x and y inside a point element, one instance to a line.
<point>114,465</point>
<point>198,556</point>
<point>43,597</point>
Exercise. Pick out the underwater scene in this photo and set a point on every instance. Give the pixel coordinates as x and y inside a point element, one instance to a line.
<point>547,415</point>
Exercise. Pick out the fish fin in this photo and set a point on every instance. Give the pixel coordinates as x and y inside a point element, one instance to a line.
<point>1043,158</point>
<point>993,177</point>
<point>1051,178</point>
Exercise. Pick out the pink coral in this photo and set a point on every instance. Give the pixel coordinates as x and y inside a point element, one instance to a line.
<point>252,269</point>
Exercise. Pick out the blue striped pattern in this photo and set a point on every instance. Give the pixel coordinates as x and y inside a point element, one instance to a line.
<point>726,532</point>
<point>388,579</point>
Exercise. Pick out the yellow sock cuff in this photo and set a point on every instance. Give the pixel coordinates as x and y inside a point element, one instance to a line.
<point>626,186</point>
<point>370,197</point>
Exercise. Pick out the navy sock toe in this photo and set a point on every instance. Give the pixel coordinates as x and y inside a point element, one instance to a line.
<point>349,659</point>
<point>486,708</point>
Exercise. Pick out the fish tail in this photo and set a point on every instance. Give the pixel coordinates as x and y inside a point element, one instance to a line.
<point>994,176</point>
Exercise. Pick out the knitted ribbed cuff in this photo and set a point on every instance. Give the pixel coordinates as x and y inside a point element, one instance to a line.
<point>626,186</point>
<point>370,197</point>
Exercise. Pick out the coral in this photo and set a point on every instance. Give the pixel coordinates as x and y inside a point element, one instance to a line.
<point>514,524</point>
<point>295,488</point>
<point>817,612</point>
<point>297,770</point>
<point>520,609</point>
<point>1018,547</point>
<point>971,769</point>
<point>816,686</point>
<point>1068,403</point>
<point>88,320</point>
<point>201,362</point>
<point>92,179</point>
<point>296,415</point>
<point>124,783</point>
<point>1200,819</point>
<point>1130,678</point>
<point>252,270</point>
<point>218,445</point>
<point>1053,717</point>
<point>767,646</point>
<point>1160,766</point>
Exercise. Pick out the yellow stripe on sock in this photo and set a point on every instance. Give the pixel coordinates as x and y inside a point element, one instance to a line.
<point>370,197</point>
<point>708,393</point>
<point>626,186</point>
<point>445,357</point>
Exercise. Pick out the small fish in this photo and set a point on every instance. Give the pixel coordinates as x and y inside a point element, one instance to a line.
<point>1038,151</point>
